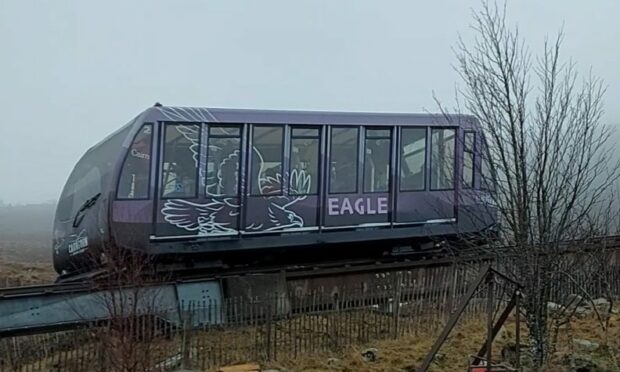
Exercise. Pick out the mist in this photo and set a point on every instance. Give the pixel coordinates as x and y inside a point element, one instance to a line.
<point>73,71</point>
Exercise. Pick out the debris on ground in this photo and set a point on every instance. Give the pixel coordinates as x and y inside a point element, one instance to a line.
<point>370,355</point>
<point>333,362</point>
<point>585,345</point>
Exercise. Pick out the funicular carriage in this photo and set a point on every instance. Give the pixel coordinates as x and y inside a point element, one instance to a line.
<point>202,183</point>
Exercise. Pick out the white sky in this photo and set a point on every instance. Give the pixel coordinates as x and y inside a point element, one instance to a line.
<point>71,72</point>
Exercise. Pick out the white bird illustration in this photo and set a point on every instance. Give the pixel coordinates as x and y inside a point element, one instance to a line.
<point>196,217</point>
<point>210,218</point>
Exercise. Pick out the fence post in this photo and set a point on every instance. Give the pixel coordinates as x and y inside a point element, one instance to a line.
<point>490,301</point>
<point>186,337</point>
<point>396,303</point>
<point>268,324</point>
<point>518,328</point>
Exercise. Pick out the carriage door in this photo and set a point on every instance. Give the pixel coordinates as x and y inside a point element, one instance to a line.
<point>283,178</point>
<point>199,182</point>
<point>180,210</point>
<point>426,184</point>
<point>412,194</point>
<point>358,190</point>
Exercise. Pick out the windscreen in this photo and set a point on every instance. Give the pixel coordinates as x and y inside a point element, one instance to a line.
<point>91,174</point>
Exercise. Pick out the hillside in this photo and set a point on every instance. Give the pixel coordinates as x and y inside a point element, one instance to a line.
<point>26,243</point>
<point>26,220</point>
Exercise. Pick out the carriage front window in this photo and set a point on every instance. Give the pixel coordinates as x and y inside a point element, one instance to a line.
<point>304,172</point>
<point>223,161</point>
<point>442,159</point>
<point>267,160</point>
<point>134,180</point>
<point>343,160</point>
<point>412,159</point>
<point>377,160</point>
<point>180,160</point>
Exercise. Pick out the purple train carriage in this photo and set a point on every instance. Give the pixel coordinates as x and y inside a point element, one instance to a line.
<point>195,186</point>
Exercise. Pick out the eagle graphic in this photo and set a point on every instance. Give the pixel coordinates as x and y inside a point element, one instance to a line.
<point>210,218</point>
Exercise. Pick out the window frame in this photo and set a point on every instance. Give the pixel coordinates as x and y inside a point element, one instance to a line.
<point>430,163</point>
<point>250,167</point>
<point>240,147</point>
<point>150,177</point>
<point>472,151</point>
<point>162,158</point>
<point>485,155</point>
<point>389,137</point>
<point>426,157</point>
<point>224,125</point>
<point>290,155</point>
<point>330,153</point>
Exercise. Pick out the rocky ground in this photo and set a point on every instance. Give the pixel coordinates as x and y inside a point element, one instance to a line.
<point>583,344</point>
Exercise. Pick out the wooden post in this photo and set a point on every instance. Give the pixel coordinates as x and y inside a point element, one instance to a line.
<point>186,340</point>
<point>518,330</point>
<point>490,300</point>
<point>268,324</point>
<point>453,319</point>
<point>396,303</point>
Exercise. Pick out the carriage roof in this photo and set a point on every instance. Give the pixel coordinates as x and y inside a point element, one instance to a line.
<point>159,113</point>
<point>226,115</point>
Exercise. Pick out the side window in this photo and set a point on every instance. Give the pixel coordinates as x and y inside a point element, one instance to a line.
<point>135,174</point>
<point>180,160</point>
<point>343,160</point>
<point>412,159</point>
<point>377,160</point>
<point>304,172</point>
<point>223,156</point>
<point>267,160</point>
<point>442,159</point>
<point>486,178</point>
<point>469,140</point>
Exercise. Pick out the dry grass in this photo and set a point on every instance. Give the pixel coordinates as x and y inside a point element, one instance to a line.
<point>607,355</point>
<point>406,353</point>
<point>19,273</point>
<point>403,354</point>
<point>26,260</point>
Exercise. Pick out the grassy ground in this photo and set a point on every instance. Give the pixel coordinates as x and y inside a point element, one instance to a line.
<point>26,259</point>
<point>403,354</point>
<point>407,353</point>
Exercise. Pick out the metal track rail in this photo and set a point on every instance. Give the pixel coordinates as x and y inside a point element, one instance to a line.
<point>12,292</point>
<point>295,271</point>
<point>61,306</point>
<point>54,307</point>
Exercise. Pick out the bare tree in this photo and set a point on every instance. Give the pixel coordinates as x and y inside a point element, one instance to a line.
<point>130,305</point>
<point>547,150</point>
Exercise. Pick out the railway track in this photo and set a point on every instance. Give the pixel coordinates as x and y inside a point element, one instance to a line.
<point>297,271</point>
<point>39,308</point>
<point>340,267</point>
<point>52,307</point>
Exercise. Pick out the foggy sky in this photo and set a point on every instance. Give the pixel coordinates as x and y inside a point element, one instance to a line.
<point>71,72</point>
